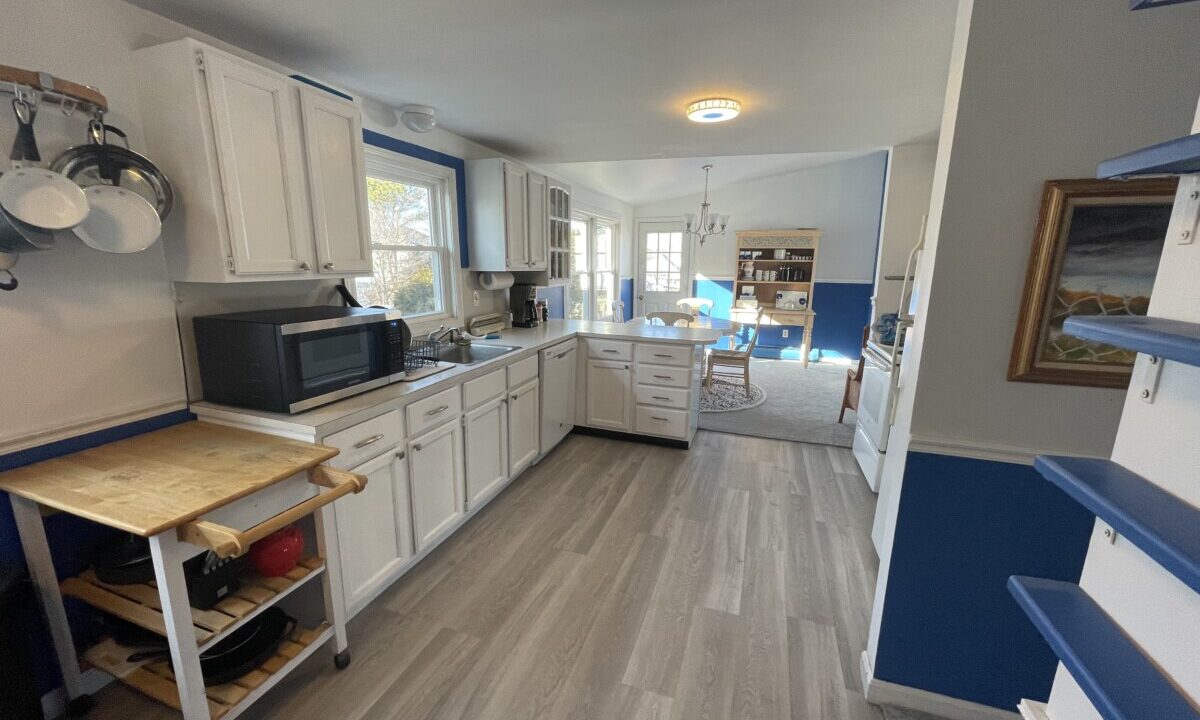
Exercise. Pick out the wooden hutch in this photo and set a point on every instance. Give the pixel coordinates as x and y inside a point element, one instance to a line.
<point>768,262</point>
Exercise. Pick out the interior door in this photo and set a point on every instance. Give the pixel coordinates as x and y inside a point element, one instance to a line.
<point>257,128</point>
<point>516,212</point>
<point>333,147</point>
<point>664,266</point>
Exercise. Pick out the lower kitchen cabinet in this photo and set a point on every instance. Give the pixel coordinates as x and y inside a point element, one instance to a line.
<point>523,422</point>
<point>374,528</point>
<point>485,432</point>
<point>610,394</point>
<point>435,463</point>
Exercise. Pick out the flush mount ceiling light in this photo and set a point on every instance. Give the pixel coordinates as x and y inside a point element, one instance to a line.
<point>711,110</point>
<point>418,118</point>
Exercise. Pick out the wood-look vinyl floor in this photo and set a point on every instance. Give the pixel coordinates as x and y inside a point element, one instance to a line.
<point>619,581</point>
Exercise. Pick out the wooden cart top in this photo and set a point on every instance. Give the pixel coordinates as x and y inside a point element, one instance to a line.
<point>160,480</point>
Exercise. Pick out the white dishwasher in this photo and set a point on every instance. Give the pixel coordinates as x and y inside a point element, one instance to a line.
<point>558,364</point>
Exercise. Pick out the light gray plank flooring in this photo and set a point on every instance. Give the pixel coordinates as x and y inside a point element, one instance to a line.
<point>619,581</point>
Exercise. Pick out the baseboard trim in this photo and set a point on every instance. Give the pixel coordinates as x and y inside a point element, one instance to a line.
<point>882,692</point>
<point>632,437</point>
<point>54,703</point>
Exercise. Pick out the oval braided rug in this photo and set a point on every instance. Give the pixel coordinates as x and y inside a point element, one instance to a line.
<point>729,395</point>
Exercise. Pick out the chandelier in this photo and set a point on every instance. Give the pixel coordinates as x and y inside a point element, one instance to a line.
<point>710,224</point>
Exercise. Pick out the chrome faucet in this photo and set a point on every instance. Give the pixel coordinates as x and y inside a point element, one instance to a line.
<point>442,332</point>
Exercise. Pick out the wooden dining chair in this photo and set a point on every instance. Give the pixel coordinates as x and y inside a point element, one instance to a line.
<point>695,305</point>
<point>669,318</point>
<point>739,357</point>
<point>854,380</point>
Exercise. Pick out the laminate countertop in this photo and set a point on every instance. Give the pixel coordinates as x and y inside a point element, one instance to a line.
<point>343,413</point>
<point>160,480</point>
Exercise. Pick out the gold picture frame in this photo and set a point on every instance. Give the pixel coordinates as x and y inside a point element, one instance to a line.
<point>1095,252</point>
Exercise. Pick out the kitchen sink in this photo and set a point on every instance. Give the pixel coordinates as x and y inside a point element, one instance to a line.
<point>473,353</point>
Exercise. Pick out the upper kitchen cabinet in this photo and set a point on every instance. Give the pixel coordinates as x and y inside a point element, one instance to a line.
<point>519,221</point>
<point>269,171</point>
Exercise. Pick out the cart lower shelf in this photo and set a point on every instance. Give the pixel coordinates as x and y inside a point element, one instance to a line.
<point>155,679</point>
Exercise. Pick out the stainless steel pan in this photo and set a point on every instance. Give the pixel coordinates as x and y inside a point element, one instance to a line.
<point>99,162</point>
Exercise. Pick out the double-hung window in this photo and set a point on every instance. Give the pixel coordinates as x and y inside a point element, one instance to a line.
<point>412,208</point>
<point>593,288</point>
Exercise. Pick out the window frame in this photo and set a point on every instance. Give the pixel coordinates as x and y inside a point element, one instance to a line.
<point>442,181</point>
<point>593,221</point>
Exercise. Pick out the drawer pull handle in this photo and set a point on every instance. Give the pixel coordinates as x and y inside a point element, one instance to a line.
<point>369,441</point>
<point>655,417</point>
<point>437,410</point>
<point>663,377</point>
<point>666,355</point>
<point>609,350</point>
<point>227,542</point>
<point>659,397</point>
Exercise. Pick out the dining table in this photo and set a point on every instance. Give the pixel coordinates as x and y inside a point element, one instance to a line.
<point>725,325</point>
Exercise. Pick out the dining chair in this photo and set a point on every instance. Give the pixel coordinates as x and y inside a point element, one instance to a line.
<point>695,305</point>
<point>739,357</point>
<point>669,318</point>
<point>618,308</point>
<point>854,378</point>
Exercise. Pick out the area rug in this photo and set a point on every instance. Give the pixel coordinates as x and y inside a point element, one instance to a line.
<point>800,404</point>
<point>730,395</point>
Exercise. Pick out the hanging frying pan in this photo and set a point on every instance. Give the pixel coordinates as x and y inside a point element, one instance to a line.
<point>34,195</point>
<point>99,162</point>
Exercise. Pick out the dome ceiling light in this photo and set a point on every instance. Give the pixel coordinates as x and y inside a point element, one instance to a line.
<point>713,110</point>
<point>418,118</point>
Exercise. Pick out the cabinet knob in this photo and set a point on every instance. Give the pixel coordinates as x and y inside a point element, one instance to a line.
<point>328,266</point>
<point>401,455</point>
<point>305,266</point>
<point>417,447</point>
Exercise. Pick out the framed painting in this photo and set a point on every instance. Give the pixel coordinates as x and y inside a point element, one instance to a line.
<point>1095,252</point>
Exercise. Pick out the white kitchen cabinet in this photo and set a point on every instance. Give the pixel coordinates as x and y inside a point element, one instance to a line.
<point>337,184</point>
<point>558,393</point>
<point>435,465</point>
<point>267,172</point>
<point>374,528</point>
<point>485,436</point>
<point>537,219</point>
<point>516,207</point>
<point>523,410</point>
<point>610,394</point>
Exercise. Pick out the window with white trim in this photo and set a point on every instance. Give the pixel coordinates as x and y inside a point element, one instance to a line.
<point>593,288</point>
<point>414,238</point>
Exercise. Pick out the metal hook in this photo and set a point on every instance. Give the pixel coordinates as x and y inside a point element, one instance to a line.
<point>12,281</point>
<point>68,106</point>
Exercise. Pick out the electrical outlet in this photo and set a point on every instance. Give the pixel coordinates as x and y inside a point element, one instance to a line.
<point>785,333</point>
<point>475,297</point>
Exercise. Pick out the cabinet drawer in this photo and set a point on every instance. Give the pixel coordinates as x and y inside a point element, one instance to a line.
<point>662,396</point>
<point>660,421</point>
<point>665,354</point>
<point>663,375</point>
<point>365,440</point>
<point>433,410</point>
<point>481,389</point>
<point>256,507</point>
<point>522,371</point>
<point>610,350</point>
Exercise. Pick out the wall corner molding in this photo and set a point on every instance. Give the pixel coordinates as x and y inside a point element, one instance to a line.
<point>882,692</point>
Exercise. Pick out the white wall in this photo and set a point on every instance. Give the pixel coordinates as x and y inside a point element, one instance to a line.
<point>842,199</point>
<point>906,200</point>
<point>1079,87</point>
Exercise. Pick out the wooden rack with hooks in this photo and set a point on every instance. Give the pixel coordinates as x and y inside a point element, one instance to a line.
<point>68,95</point>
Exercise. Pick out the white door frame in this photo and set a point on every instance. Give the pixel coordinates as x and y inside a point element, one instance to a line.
<point>639,261</point>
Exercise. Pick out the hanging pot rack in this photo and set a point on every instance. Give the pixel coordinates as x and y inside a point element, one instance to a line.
<point>43,86</point>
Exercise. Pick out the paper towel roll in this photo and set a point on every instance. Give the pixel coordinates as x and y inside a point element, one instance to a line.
<point>495,280</point>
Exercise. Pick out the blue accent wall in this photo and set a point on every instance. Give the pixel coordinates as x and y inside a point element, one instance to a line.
<point>949,625</point>
<point>556,300</point>
<point>842,311</point>
<point>71,538</point>
<point>459,166</point>
<point>627,296</point>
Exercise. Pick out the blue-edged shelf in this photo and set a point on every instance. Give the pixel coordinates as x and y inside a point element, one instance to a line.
<point>1120,681</point>
<point>1163,526</point>
<point>1174,157</point>
<point>1169,339</point>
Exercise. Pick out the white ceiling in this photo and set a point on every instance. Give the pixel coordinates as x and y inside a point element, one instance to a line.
<point>582,80</point>
<point>638,182</point>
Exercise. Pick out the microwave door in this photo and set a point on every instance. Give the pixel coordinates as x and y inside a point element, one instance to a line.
<point>332,362</point>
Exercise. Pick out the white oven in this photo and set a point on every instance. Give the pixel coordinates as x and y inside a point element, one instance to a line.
<point>874,414</point>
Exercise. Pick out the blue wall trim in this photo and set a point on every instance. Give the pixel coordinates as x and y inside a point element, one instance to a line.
<point>842,311</point>
<point>964,526</point>
<point>387,142</point>
<point>71,538</point>
<point>320,86</point>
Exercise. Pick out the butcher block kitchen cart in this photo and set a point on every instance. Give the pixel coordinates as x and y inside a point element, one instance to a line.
<point>188,488</point>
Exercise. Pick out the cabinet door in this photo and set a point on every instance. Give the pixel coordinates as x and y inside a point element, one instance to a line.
<point>257,129</point>
<point>486,441</point>
<point>333,149</point>
<point>516,229</point>
<point>537,220</point>
<point>523,413</point>
<point>435,464</point>
<point>609,394</point>
<point>374,528</point>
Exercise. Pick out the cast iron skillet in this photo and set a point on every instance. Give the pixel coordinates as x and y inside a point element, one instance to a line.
<point>244,650</point>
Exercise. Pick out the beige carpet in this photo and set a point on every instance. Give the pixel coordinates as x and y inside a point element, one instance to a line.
<point>802,405</point>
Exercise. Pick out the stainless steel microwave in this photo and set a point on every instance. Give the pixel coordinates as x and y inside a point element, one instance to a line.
<point>294,359</point>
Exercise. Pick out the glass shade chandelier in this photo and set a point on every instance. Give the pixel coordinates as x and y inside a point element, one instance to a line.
<point>710,224</point>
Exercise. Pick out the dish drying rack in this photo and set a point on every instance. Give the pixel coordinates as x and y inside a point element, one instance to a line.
<point>420,353</point>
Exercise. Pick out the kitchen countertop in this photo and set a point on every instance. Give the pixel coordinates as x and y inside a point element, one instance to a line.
<point>343,413</point>
<point>160,480</point>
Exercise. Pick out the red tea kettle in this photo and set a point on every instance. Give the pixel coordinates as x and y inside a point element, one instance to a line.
<point>277,553</point>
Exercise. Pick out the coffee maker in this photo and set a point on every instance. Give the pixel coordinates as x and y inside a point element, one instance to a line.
<point>522,302</point>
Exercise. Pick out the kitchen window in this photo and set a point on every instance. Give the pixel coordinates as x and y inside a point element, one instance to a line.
<point>593,287</point>
<point>411,205</point>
